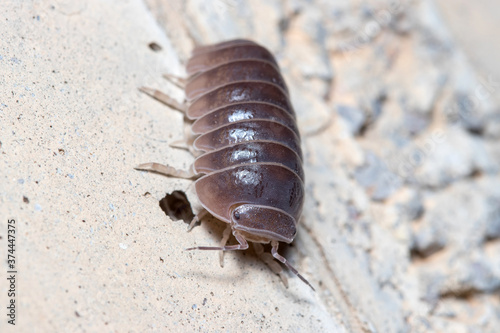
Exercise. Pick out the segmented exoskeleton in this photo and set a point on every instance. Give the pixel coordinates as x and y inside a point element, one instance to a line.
<point>246,128</point>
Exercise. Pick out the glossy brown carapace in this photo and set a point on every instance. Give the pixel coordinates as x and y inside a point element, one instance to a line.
<point>251,161</point>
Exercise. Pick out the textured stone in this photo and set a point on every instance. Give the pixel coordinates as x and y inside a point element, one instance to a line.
<point>354,117</point>
<point>455,156</point>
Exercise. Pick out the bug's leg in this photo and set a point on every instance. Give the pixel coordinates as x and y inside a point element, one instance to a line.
<point>268,259</point>
<point>164,98</point>
<point>243,245</point>
<point>275,254</point>
<point>187,142</point>
<point>177,80</point>
<point>225,238</point>
<point>167,170</point>
<point>197,218</point>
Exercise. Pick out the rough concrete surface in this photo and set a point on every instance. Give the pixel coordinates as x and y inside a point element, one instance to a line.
<point>401,225</point>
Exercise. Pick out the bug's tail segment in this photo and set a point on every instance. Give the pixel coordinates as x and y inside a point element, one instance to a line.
<point>282,259</point>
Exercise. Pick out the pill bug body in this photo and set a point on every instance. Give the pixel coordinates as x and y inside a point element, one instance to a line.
<point>251,162</point>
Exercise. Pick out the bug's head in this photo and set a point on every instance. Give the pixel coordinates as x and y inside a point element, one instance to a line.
<point>265,222</point>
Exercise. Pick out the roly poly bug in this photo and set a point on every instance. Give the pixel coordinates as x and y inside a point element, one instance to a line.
<point>251,158</point>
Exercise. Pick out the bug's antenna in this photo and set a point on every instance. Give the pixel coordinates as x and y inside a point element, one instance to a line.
<point>243,245</point>
<point>282,259</point>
